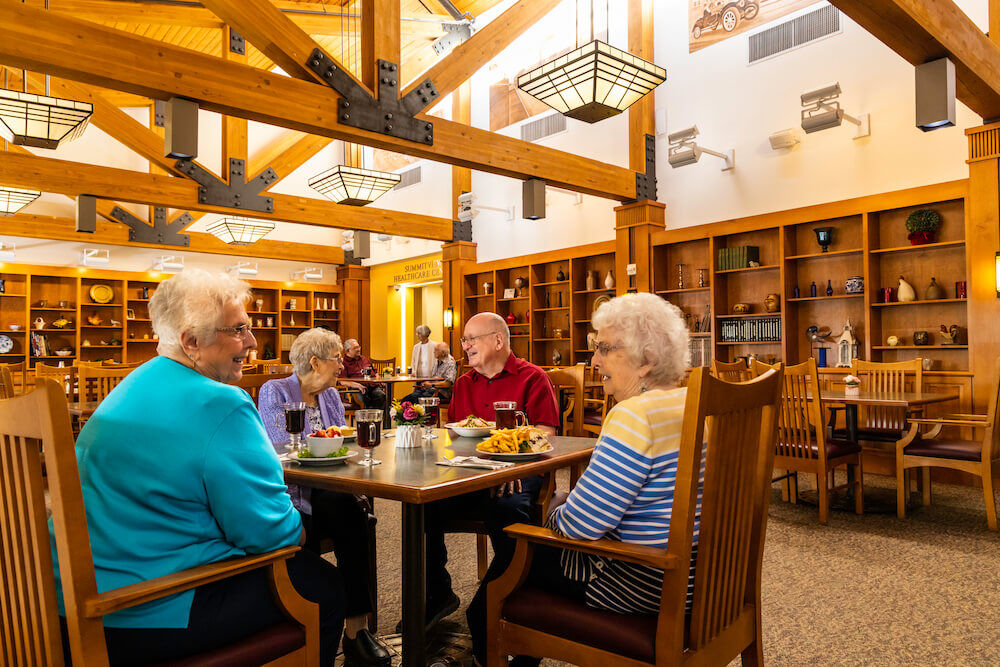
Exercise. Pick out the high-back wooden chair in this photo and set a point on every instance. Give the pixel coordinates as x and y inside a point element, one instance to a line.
<point>569,380</point>
<point>885,424</point>
<point>19,374</point>
<point>278,369</point>
<point>736,371</point>
<point>34,429</point>
<point>738,426</point>
<point>802,443</point>
<point>977,456</point>
<point>66,376</point>
<point>96,382</point>
<point>383,365</point>
<point>6,383</point>
<point>758,368</point>
<point>251,384</point>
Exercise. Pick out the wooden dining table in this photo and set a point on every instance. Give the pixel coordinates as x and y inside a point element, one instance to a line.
<point>389,380</point>
<point>413,478</point>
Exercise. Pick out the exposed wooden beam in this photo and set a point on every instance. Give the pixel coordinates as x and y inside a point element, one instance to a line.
<point>461,112</point>
<point>921,31</point>
<point>114,59</point>
<point>74,178</point>
<point>113,233</point>
<point>234,129</point>
<point>994,21</point>
<point>641,119</point>
<point>468,57</point>
<point>287,154</point>
<point>379,37</point>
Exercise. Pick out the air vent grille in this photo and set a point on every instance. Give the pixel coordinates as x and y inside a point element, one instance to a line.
<point>790,34</point>
<point>543,127</point>
<point>408,178</point>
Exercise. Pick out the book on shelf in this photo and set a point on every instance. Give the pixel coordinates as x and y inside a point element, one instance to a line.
<point>738,257</point>
<point>758,330</point>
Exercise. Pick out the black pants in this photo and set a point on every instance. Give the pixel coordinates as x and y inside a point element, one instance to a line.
<point>545,573</point>
<point>497,513</point>
<point>343,518</point>
<point>225,611</point>
<point>374,397</point>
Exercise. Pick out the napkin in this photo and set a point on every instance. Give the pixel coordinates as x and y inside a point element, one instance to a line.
<point>473,462</point>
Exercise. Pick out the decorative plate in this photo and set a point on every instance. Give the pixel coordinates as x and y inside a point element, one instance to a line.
<point>102,293</point>
<point>6,344</point>
<point>598,302</point>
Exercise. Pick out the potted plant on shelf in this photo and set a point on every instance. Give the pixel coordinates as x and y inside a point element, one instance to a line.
<point>409,419</point>
<point>852,385</point>
<point>922,226</point>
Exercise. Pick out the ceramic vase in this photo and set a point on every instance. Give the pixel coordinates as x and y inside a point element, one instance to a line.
<point>609,280</point>
<point>934,291</point>
<point>852,389</point>
<point>905,291</point>
<point>854,285</point>
<point>556,357</point>
<point>560,276</point>
<point>409,436</point>
<point>772,303</point>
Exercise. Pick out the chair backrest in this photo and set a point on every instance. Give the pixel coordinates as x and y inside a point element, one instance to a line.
<point>19,372</point>
<point>571,379</point>
<point>66,375</point>
<point>735,427</point>
<point>758,368</point>
<point>96,382</point>
<point>34,426</point>
<point>114,364</point>
<point>381,365</point>
<point>252,383</point>
<point>736,371</point>
<point>800,420</point>
<point>278,369</point>
<point>898,377</point>
<point>6,383</point>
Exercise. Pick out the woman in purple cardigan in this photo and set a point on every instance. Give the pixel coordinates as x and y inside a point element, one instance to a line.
<point>316,358</point>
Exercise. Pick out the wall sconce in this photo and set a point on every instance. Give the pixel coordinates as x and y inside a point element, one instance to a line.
<point>169,264</point>
<point>684,150</point>
<point>94,257</point>
<point>449,316</point>
<point>998,274</point>
<point>243,268</point>
<point>309,275</point>
<point>821,110</point>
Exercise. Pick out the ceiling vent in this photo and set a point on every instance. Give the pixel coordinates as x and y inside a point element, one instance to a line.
<point>408,178</point>
<point>792,34</point>
<point>545,126</point>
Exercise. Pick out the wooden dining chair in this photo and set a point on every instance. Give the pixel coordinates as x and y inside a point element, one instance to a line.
<point>569,379</point>
<point>737,425</point>
<point>19,373</point>
<point>930,449</point>
<point>6,383</point>
<point>67,376</point>
<point>383,365</point>
<point>884,424</point>
<point>279,369</point>
<point>35,430</point>
<point>758,368</point>
<point>96,382</point>
<point>802,442</point>
<point>251,384</point>
<point>736,371</point>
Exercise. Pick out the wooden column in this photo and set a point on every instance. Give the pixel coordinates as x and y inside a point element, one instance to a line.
<point>355,304</point>
<point>634,226</point>
<point>640,115</point>
<point>234,130</point>
<point>982,240</point>
<point>456,258</point>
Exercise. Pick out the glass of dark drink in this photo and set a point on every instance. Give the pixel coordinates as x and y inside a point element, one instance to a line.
<point>507,414</point>
<point>369,425</point>
<point>431,405</point>
<point>295,423</point>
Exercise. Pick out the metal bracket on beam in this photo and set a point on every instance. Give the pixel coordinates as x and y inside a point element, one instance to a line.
<point>350,259</point>
<point>237,193</point>
<point>461,231</point>
<point>645,184</point>
<point>388,114</point>
<point>237,44</point>
<point>159,113</point>
<point>160,232</point>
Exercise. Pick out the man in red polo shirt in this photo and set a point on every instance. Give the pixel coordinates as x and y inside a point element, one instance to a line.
<point>496,375</point>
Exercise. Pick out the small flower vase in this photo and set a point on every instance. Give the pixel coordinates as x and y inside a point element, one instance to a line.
<point>591,281</point>
<point>609,280</point>
<point>409,436</point>
<point>852,389</point>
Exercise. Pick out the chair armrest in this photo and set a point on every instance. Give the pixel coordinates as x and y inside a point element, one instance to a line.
<point>950,422</point>
<point>178,582</point>
<point>966,417</point>
<point>631,553</point>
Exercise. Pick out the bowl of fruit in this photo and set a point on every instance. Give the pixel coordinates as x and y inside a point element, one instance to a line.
<point>321,443</point>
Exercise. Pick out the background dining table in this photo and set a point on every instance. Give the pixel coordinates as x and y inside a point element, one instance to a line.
<point>414,478</point>
<point>389,380</point>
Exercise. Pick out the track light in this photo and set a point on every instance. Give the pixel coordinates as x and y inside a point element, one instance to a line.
<point>308,274</point>
<point>821,111</point>
<point>94,257</point>
<point>243,268</point>
<point>684,150</point>
<point>935,94</point>
<point>169,264</point>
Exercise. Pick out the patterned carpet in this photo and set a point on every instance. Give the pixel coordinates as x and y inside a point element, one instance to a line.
<point>870,590</point>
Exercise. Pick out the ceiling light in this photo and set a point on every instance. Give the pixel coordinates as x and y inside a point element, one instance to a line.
<point>935,94</point>
<point>240,231</point>
<point>309,274</point>
<point>353,186</point>
<point>243,268</point>
<point>94,257</point>
<point>169,264</point>
<point>593,82</point>
<point>41,121</point>
<point>13,200</point>
<point>9,248</point>
<point>684,150</point>
<point>821,111</point>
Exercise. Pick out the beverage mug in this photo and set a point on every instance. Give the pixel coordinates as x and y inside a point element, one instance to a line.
<point>293,419</point>
<point>888,294</point>
<point>960,291</point>
<point>508,416</point>
<point>369,433</point>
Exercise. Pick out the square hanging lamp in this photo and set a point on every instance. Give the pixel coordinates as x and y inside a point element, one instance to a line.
<point>353,186</point>
<point>240,231</point>
<point>41,121</point>
<point>593,82</point>
<point>13,200</point>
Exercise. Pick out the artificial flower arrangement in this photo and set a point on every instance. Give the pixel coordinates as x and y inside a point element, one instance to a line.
<point>407,414</point>
<point>852,384</point>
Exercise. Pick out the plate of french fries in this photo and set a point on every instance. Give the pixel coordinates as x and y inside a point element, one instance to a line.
<point>525,443</point>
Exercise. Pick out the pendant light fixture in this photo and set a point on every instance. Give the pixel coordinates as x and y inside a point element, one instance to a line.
<point>594,81</point>
<point>236,230</point>
<point>13,200</point>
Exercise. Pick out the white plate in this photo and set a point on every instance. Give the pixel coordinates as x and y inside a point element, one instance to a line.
<point>325,461</point>
<point>514,458</point>
<point>471,432</point>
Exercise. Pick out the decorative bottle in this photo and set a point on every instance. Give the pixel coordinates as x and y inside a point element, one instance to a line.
<point>609,280</point>
<point>591,281</point>
<point>795,292</point>
<point>812,289</point>
<point>829,288</point>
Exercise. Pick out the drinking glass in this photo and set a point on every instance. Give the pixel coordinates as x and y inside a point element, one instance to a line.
<point>369,433</point>
<point>430,405</point>
<point>295,422</point>
<point>507,414</point>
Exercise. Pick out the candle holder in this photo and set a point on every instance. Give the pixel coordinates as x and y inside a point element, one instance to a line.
<point>824,236</point>
<point>702,277</point>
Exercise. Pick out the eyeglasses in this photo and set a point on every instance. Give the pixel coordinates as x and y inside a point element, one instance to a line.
<point>240,330</point>
<point>604,349</point>
<point>338,359</point>
<point>468,340</point>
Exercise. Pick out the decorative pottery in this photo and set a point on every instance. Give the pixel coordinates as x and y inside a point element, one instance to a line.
<point>854,285</point>
<point>15,327</point>
<point>43,303</point>
<point>934,291</point>
<point>742,308</point>
<point>409,436</point>
<point>591,281</point>
<point>511,318</point>
<point>6,344</point>
<point>960,291</point>
<point>487,288</point>
<point>956,332</point>
<point>927,363</point>
<point>560,275</point>
<point>852,389</point>
<point>94,320</point>
<point>772,303</point>
<point>86,341</point>
<point>892,341</point>
<point>945,336</point>
<point>829,288</point>
<point>591,340</point>
<point>921,238</point>
<point>260,304</point>
<point>556,357</point>
<point>888,294</point>
<point>609,280</point>
<point>65,352</point>
<point>61,323</point>
<point>64,304</point>
<point>520,282</point>
<point>921,338</point>
<point>824,237</point>
<point>145,292</point>
<point>102,293</point>
<point>905,291</point>
<point>39,323</point>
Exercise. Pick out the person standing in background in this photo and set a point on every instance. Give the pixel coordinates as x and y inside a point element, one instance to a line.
<point>422,362</point>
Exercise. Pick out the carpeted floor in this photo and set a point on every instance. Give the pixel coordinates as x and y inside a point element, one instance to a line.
<point>861,590</point>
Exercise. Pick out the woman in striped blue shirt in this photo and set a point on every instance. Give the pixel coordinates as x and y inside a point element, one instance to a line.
<point>627,490</point>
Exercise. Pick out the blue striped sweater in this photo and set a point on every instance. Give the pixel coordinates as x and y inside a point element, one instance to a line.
<point>627,494</point>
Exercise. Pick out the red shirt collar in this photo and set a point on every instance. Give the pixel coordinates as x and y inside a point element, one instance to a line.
<point>510,367</point>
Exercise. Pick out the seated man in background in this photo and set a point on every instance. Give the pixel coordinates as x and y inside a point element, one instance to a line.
<point>497,374</point>
<point>422,362</point>
<point>444,367</point>
<point>355,363</point>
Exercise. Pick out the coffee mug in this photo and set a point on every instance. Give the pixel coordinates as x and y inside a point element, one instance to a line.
<point>507,415</point>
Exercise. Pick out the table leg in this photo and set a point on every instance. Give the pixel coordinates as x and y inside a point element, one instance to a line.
<point>414,585</point>
<point>851,418</point>
<point>386,419</point>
